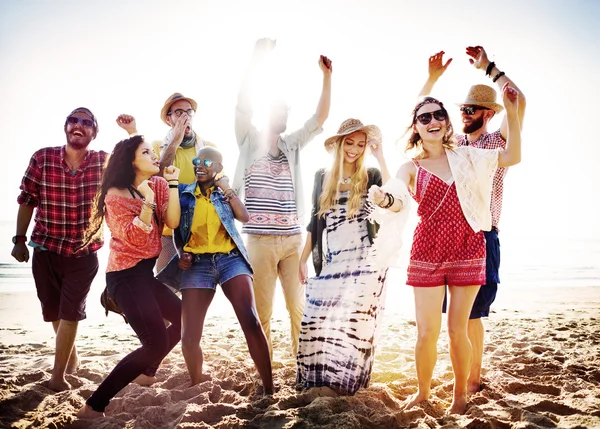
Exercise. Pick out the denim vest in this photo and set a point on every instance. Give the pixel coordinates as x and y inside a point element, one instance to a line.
<point>171,274</point>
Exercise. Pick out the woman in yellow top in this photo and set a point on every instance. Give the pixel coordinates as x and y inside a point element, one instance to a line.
<point>210,252</point>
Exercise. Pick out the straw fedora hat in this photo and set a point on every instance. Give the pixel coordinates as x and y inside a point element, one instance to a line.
<point>350,126</point>
<point>484,96</point>
<point>172,99</point>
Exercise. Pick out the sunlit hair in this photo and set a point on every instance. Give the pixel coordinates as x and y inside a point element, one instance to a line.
<point>331,182</point>
<point>414,142</point>
<point>118,173</point>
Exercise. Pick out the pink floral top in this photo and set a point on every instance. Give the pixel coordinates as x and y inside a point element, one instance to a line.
<point>131,239</point>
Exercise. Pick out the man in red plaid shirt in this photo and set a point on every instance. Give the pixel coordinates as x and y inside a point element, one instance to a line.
<point>61,182</point>
<point>477,110</point>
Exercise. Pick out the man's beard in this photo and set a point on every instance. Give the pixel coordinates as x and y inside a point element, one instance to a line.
<point>474,126</point>
<point>78,142</point>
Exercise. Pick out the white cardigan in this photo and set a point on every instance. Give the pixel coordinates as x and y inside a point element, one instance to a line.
<point>473,170</point>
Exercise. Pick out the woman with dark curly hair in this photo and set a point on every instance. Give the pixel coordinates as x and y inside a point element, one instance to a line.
<point>136,205</point>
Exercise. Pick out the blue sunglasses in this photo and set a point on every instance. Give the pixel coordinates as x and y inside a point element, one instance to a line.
<point>206,162</point>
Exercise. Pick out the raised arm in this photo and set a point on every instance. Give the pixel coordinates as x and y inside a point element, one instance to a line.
<point>479,59</point>
<point>322,112</point>
<point>243,111</point>
<point>127,122</point>
<point>175,137</point>
<point>436,70</point>
<point>512,154</point>
<point>173,213</point>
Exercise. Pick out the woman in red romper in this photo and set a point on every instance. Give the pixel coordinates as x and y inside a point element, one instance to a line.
<point>448,250</point>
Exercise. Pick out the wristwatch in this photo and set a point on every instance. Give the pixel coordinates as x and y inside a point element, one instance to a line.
<point>19,239</point>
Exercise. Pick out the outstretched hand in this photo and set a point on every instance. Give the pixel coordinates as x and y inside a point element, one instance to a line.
<point>325,64</point>
<point>479,58</point>
<point>437,66</point>
<point>127,122</point>
<point>510,97</point>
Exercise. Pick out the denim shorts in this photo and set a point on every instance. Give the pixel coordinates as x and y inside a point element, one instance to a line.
<point>210,269</point>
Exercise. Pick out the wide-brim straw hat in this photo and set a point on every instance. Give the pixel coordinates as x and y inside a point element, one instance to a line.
<point>484,96</point>
<point>172,99</point>
<point>350,126</point>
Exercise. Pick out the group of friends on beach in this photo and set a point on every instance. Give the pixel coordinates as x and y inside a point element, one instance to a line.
<point>171,213</point>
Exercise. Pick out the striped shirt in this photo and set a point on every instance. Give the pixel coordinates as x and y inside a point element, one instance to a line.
<point>63,199</point>
<point>270,197</point>
<point>490,141</point>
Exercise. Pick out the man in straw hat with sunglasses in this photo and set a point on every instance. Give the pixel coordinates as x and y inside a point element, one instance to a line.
<point>61,182</point>
<point>269,173</point>
<point>179,148</point>
<point>477,110</point>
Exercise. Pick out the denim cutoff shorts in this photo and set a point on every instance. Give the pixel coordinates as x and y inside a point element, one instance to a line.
<point>210,269</point>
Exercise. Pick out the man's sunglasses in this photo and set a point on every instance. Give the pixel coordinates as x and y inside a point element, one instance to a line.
<point>425,118</point>
<point>470,110</point>
<point>74,120</point>
<point>206,162</point>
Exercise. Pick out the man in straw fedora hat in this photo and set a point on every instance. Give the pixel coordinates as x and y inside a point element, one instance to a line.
<point>477,110</point>
<point>269,173</point>
<point>179,148</point>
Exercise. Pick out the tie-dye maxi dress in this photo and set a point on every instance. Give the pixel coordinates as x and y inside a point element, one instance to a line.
<point>343,306</point>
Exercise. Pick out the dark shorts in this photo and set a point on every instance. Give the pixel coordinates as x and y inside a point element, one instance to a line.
<point>210,269</point>
<point>487,292</point>
<point>63,284</point>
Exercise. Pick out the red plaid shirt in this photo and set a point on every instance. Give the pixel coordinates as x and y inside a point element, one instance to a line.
<point>63,200</point>
<point>490,141</point>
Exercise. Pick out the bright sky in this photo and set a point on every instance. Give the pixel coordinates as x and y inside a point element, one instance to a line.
<point>129,56</point>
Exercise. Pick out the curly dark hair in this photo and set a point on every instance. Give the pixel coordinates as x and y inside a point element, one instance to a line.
<point>414,139</point>
<point>118,173</point>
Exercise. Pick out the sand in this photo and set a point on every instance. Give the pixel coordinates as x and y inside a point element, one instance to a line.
<point>541,370</point>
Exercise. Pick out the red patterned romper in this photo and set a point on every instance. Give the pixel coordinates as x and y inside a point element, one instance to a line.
<point>445,249</point>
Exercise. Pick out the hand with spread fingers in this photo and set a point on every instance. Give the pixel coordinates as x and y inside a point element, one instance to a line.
<point>437,66</point>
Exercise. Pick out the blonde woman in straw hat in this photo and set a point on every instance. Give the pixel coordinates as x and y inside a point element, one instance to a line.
<point>452,186</point>
<point>477,110</point>
<point>344,300</point>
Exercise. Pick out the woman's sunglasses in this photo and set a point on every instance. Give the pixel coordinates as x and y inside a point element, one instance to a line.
<point>425,118</point>
<point>206,162</point>
<point>73,120</point>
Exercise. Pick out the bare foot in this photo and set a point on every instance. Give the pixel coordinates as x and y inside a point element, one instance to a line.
<point>73,364</point>
<point>145,380</point>
<point>415,399</point>
<point>473,387</point>
<point>59,385</point>
<point>318,392</point>
<point>459,405</point>
<point>86,412</point>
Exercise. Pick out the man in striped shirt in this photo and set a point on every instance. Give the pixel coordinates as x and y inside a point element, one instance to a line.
<point>477,111</point>
<point>269,173</point>
<point>61,183</point>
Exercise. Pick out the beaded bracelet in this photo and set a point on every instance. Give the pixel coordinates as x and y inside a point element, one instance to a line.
<point>498,76</point>
<point>490,67</point>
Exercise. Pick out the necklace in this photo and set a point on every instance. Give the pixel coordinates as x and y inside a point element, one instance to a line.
<point>345,180</point>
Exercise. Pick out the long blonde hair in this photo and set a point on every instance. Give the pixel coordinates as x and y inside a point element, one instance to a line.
<point>331,182</point>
